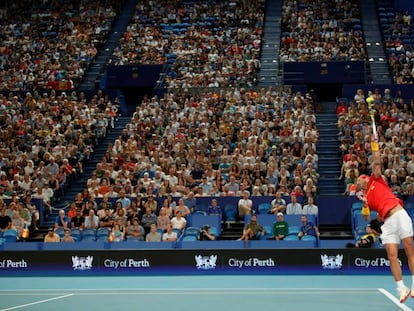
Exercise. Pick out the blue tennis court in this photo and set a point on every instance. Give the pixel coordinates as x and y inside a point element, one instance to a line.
<point>178,293</point>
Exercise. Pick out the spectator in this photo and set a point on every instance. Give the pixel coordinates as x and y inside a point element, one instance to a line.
<point>148,219</point>
<point>106,221</point>
<point>190,201</point>
<point>245,204</point>
<point>307,228</point>
<point>178,222</point>
<point>182,208</point>
<point>373,230</point>
<point>251,230</point>
<point>153,235</point>
<point>17,224</point>
<point>152,204</point>
<point>135,230</point>
<point>91,221</point>
<point>117,233</point>
<point>78,220</point>
<point>163,220</point>
<point>205,235</point>
<point>169,235</point>
<point>278,204</point>
<point>294,207</point>
<point>62,221</point>
<point>51,236</point>
<point>280,228</point>
<point>310,208</point>
<point>67,238</point>
<point>214,208</point>
<point>5,220</point>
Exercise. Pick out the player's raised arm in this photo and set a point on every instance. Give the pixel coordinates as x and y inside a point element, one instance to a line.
<point>376,158</point>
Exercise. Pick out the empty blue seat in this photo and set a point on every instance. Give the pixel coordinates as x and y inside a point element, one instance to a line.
<point>294,230</point>
<point>189,238</point>
<point>230,212</point>
<point>192,231</point>
<point>88,238</point>
<point>60,232</point>
<point>10,235</point>
<point>291,237</point>
<point>263,208</point>
<point>103,232</point>
<point>88,232</point>
<point>76,234</point>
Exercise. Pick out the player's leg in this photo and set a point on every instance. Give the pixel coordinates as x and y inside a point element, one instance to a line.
<point>409,251</point>
<point>392,253</point>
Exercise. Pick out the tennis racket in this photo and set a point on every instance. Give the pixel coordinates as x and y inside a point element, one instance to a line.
<point>370,102</point>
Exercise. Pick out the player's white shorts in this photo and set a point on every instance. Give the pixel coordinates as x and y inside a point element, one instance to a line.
<point>397,227</point>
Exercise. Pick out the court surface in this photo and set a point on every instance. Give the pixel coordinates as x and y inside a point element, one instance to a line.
<point>203,293</point>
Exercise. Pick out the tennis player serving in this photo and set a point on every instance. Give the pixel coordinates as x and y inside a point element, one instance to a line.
<point>397,225</point>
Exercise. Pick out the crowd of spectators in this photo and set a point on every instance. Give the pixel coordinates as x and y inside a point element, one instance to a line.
<point>49,44</point>
<point>45,139</point>
<point>184,146</point>
<point>321,30</point>
<point>394,120</point>
<point>259,142</point>
<point>398,35</point>
<point>205,43</point>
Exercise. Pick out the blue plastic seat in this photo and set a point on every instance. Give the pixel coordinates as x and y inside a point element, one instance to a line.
<point>308,238</point>
<point>294,230</point>
<point>263,208</point>
<point>291,237</point>
<point>88,232</point>
<point>76,234</point>
<point>88,238</point>
<point>60,232</point>
<point>192,231</point>
<point>189,238</point>
<point>10,235</point>
<point>230,212</point>
<point>103,232</point>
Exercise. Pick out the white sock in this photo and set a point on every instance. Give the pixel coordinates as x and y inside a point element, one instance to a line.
<point>400,284</point>
<point>412,284</point>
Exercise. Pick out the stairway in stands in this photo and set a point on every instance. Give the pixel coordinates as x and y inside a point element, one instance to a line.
<point>269,59</point>
<point>79,184</point>
<point>97,68</point>
<point>378,64</point>
<point>328,151</point>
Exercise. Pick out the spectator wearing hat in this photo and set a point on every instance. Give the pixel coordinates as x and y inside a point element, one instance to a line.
<point>280,228</point>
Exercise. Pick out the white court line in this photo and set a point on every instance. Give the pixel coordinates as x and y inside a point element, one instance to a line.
<point>267,291</point>
<point>36,302</point>
<point>157,289</point>
<point>394,300</point>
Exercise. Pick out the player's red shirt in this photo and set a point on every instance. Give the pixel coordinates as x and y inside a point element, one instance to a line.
<point>380,197</point>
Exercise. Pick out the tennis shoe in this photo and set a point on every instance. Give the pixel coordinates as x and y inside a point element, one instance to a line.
<point>404,293</point>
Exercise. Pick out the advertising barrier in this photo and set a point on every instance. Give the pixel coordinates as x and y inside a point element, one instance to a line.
<point>195,262</point>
